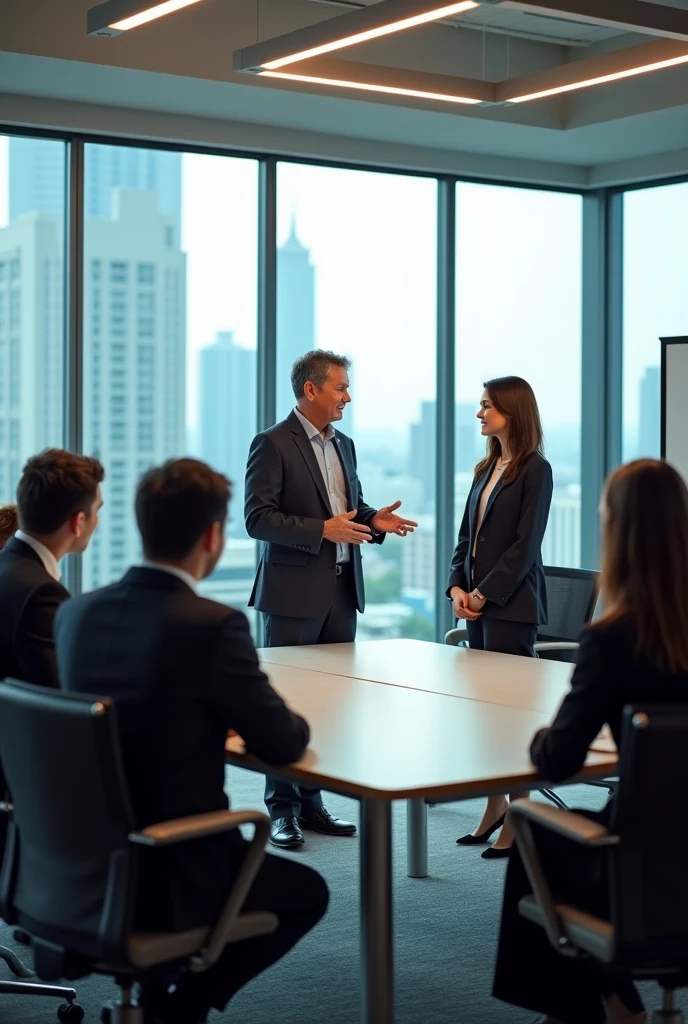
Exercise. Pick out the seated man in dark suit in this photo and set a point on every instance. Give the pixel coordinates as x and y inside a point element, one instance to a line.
<point>183,671</point>
<point>58,498</point>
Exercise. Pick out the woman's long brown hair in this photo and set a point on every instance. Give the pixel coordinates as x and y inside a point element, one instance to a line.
<point>514,398</point>
<point>645,559</point>
<point>8,523</point>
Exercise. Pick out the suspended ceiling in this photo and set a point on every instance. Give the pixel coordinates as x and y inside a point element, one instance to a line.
<point>52,74</point>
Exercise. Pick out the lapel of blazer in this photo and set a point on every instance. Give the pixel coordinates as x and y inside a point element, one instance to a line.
<point>344,453</point>
<point>305,446</point>
<point>482,484</point>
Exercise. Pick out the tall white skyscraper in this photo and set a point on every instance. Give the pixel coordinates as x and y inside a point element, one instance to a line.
<point>134,363</point>
<point>31,342</point>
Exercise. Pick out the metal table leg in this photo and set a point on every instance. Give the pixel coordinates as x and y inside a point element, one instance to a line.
<point>377,953</point>
<point>416,839</point>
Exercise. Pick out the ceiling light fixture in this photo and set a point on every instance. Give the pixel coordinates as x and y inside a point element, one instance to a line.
<point>394,90</point>
<point>116,16</point>
<point>628,73</point>
<point>360,26</point>
<point>609,67</point>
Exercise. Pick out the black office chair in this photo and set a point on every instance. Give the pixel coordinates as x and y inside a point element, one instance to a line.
<point>69,873</point>
<point>571,601</point>
<point>68,1011</point>
<point>647,933</point>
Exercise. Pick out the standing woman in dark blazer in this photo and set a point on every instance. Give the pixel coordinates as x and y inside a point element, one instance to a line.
<point>497,582</point>
<point>636,653</point>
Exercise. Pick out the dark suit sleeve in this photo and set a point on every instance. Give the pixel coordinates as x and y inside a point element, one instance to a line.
<point>244,698</point>
<point>510,570</point>
<point>457,572</point>
<point>560,751</point>
<point>34,639</point>
<point>365,513</point>
<point>264,520</point>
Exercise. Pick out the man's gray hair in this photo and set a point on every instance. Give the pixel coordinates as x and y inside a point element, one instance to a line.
<point>315,366</point>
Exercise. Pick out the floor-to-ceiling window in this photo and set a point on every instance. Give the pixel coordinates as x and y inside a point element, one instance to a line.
<point>654,305</point>
<point>356,273</point>
<point>32,288</point>
<point>518,311</point>
<point>170,269</point>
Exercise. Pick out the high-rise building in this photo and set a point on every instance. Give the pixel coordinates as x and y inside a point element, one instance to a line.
<point>37,178</point>
<point>227,412</point>
<point>134,363</point>
<point>31,342</point>
<point>649,440</point>
<point>422,452</point>
<point>295,314</point>
<point>468,446</point>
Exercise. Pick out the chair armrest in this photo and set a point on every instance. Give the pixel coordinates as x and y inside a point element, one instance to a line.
<point>198,825</point>
<point>556,645</point>
<point>455,637</point>
<point>250,865</point>
<point>521,814</point>
<point>565,823</point>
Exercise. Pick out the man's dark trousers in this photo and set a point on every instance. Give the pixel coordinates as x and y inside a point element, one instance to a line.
<point>337,626</point>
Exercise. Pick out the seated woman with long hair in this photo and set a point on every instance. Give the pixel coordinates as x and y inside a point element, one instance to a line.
<point>636,653</point>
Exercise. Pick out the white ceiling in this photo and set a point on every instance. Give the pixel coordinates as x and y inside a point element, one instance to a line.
<point>178,70</point>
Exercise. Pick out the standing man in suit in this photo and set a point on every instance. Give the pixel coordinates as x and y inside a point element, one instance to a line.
<point>182,671</point>
<point>304,501</point>
<point>58,499</point>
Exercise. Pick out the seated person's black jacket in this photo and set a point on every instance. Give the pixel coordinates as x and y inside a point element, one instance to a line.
<point>608,676</point>
<point>182,670</point>
<point>29,599</point>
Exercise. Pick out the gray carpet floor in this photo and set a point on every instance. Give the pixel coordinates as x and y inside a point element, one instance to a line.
<point>445,934</point>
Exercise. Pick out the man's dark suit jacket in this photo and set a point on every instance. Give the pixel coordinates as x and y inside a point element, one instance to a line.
<point>608,676</point>
<point>182,670</point>
<point>286,505</point>
<point>508,557</point>
<point>29,599</point>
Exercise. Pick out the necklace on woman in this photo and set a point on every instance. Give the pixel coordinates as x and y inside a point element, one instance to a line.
<point>501,464</point>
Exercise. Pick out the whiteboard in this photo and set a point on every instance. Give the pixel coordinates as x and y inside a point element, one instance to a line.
<point>675,403</point>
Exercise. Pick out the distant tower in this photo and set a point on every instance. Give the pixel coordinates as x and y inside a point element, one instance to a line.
<point>649,442</point>
<point>295,314</point>
<point>228,415</point>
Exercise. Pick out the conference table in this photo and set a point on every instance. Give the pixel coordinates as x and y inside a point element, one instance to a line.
<point>415,721</point>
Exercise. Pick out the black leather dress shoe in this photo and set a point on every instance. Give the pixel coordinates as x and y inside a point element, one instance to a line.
<point>320,820</point>
<point>286,834</point>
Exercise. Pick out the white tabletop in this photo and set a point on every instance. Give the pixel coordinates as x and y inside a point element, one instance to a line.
<point>393,742</point>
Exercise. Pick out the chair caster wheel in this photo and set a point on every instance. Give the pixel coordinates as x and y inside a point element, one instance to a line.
<point>106,1014</point>
<point>70,1013</point>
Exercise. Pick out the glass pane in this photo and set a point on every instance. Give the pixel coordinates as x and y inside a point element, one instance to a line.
<point>518,311</point>
<point>654,305</point>
<point>170,265</point>
<point>356,273</point>
<point>32,287</point>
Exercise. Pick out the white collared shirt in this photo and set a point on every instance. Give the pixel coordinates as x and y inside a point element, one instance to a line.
<point>47,557</point>
<point>174,570</point>
<point>324,448</point>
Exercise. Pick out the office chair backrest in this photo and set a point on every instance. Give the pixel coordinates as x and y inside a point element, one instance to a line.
<point>649,891</point>
<point>571,598</point>
<point>71,818</point>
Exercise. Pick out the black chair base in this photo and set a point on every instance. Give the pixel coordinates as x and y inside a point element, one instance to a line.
<point>69,1013</point>
<point>15,964</point>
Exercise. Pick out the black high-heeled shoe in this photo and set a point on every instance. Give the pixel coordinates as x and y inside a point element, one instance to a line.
<point>471,840</point>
